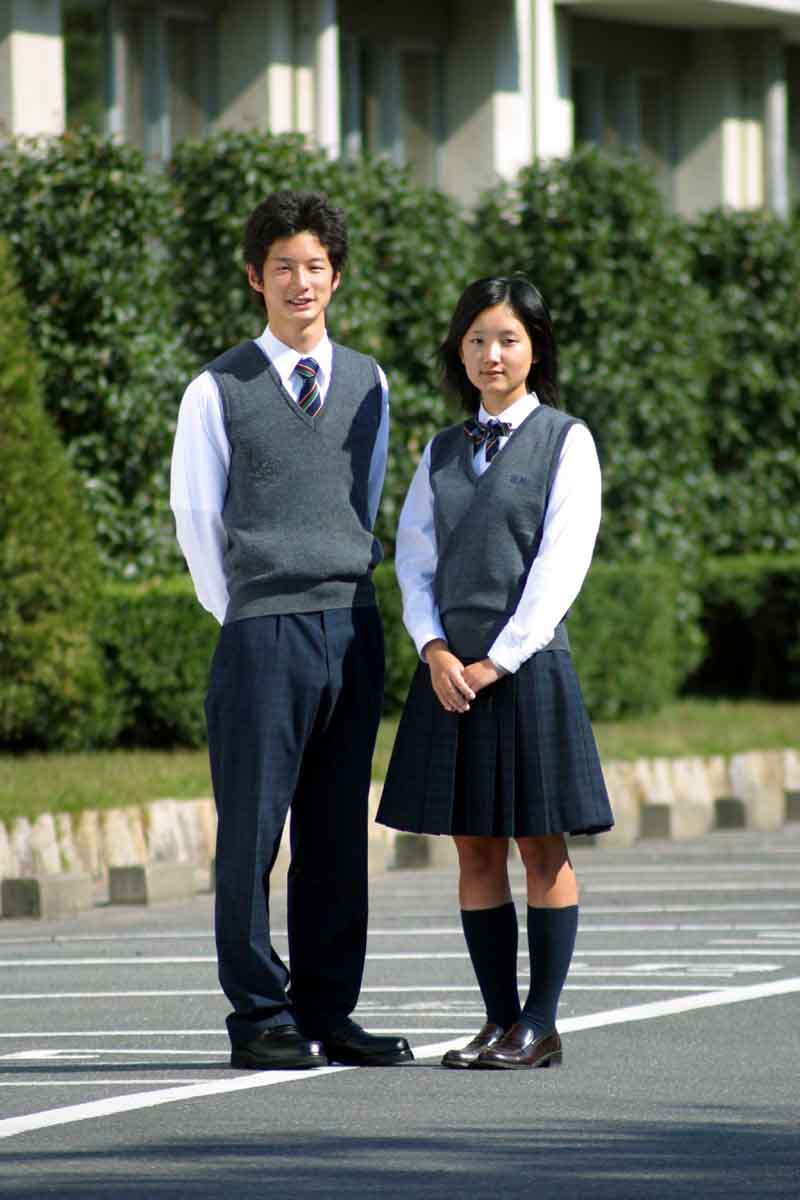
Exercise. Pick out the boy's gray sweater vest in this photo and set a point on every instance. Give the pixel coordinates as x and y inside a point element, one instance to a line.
<point>296,512</point>
<point>488,527</point>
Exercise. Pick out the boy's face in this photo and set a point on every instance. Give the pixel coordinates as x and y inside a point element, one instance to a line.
<point>297,282</point>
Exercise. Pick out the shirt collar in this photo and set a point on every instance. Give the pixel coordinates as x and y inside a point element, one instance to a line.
<point>515,414</point>
<point>285,359</point>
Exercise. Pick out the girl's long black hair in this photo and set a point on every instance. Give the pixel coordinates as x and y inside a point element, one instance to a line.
<point>520,295</point>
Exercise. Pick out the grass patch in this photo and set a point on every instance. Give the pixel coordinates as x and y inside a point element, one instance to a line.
<point>34,783</point>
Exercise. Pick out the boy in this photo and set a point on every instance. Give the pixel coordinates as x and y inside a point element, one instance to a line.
<point>277,470</point>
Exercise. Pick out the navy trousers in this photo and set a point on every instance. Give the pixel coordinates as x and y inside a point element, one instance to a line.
<point>293,707</point>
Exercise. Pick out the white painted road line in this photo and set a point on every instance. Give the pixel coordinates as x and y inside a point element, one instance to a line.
<point>622,987</point>
<point>112,1105</point>
<point>398,956</point>
<point>87,1083</point>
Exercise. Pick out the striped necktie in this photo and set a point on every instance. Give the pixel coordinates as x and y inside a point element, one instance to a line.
<point>309,399</point>
<point>488,434</point>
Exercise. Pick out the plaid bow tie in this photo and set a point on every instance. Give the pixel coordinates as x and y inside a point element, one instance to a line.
<point>488,434</point>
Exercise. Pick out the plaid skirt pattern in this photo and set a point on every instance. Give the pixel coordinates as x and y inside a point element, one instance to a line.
<point>522,762</point>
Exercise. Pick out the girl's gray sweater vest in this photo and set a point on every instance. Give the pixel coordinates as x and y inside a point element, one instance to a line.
<point>488,527</point>
<point>296,513</point>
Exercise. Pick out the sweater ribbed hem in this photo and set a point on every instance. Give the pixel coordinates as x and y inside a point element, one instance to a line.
<point>320,598</point>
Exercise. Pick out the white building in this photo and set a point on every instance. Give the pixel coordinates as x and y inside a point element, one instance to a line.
<point>464,91</point>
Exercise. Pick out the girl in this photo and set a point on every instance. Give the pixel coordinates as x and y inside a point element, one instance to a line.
<point>495,741</point>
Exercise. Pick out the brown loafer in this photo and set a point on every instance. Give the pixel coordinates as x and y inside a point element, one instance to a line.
<point>521,1048</point>
<point>466,1056</point>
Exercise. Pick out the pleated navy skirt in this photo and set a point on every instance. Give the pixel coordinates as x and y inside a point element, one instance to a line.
<point>522,762</point>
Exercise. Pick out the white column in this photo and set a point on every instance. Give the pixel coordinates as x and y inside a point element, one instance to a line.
<point>115,71</point>
<point>352,134</point>
<point>280,70</point>
<point>32,91</point>
<point>326,77</point>
<point>776,127</point>
<point>513,95</point>
<point>552,100</point>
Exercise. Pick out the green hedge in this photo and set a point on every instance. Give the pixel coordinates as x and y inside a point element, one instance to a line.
<point>624,631</point>
<point>635,332</point>
<point>749,265</point>
<point>158,643</point>
<point>50,679</point>
<point>751,616</point>
<point>88,224</point>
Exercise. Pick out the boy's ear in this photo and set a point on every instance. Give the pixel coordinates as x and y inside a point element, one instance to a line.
<point>255,279</point>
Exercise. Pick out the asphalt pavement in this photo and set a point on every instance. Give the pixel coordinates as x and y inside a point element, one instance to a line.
<point>681,1073</point>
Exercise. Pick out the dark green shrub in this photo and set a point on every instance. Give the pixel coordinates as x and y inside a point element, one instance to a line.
<point>87,223</point>
<point>157,642</point>
<point>623,630</point>
<point>750,265</point>
<point>401,654</point>
<point>634,332</point>
<point>624,634</point>
<point>751,617</point>
<point>50,677</point>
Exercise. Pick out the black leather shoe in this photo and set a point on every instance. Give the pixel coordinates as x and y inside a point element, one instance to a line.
<point>520,1048</point>
<point>354,1047</point>
<point>467,1055</point>
<point>282,1048</point>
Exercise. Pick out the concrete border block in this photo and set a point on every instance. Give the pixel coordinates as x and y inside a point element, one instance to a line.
<point>165,832</point>
<point>44,846</point>
<point>47,896</point>
<point>20,839</point>
<point>625,805</point>
<point>410,851</point>
<point>70,859</point>
<point>9,866</point>
<point>693,814</point>
<point>150,883</point>
<point>729,813</point>
<point>757,779</point>
<point>656,821</point>
<point>791,770</point>
<point>122,837</point>
<point>88,842</point>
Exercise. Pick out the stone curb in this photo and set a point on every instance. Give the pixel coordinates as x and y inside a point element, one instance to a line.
<point>47,896</point>
<point>678,799</point>
<point>151,883</point>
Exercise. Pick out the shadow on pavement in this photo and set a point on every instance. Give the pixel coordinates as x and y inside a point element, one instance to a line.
<point>596,1160</point>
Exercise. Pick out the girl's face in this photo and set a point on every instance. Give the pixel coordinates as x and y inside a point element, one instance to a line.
<point>497,355</point>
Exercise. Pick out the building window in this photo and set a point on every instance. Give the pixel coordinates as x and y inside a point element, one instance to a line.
<point>188,73</point>
<point>655,148</point>
<point>390,103</point>
<point>418,114</point>
<point>625,110</point>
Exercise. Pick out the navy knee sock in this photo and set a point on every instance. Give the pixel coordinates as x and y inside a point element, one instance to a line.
<point>551,940</point>
<point>491,935</point>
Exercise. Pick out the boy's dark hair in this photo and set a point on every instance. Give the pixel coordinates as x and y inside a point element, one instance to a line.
<point>283,214</point>
<point>520,295</point>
